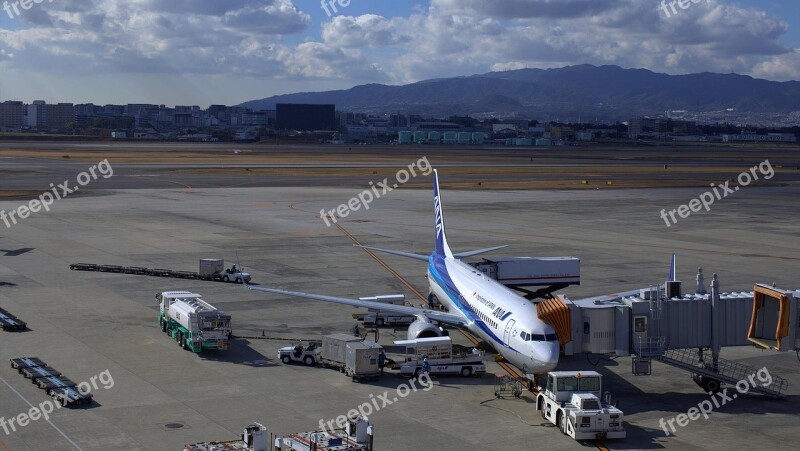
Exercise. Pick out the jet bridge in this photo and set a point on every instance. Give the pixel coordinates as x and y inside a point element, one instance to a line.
<point>686,331</point>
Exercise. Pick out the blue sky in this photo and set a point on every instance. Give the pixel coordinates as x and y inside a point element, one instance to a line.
<point>210,51</point>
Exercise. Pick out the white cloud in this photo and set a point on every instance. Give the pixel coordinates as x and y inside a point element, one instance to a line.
<point>271,40</point>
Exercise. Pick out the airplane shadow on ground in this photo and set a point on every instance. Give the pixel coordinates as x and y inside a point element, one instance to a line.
<point>239,353</point>
<point>18,252</point>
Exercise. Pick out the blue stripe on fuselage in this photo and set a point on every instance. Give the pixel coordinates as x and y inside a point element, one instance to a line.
<point>437,268</point>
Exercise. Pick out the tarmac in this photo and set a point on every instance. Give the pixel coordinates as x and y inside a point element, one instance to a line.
<point>162,397</point>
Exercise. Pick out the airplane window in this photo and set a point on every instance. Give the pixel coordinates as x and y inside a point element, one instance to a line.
<point>537,337</point>
<point>551,337</point>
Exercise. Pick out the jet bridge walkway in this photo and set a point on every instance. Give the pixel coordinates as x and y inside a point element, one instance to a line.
<point>686,331</point>
<point>706,372</point>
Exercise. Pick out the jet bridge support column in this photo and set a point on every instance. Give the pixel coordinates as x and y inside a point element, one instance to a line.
<point>716,322</point>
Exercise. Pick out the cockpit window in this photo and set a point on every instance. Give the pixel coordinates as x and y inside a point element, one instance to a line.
<point>538,337</point>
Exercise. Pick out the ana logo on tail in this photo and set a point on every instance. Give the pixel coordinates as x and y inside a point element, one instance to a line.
<point>437,211</point>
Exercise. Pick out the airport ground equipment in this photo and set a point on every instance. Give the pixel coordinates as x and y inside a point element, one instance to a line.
<point>214,269</point>
<point>686,331</point>
<point>210,269</point>
<point>195,324</point>
<point>11,323</point>
<point>21,363</point>
<point>68,396</point>
<point>357,436</point>
<point>306,353</point>
<point>350,355</point>
<point>254,438</point>
<point>35,372</point>
<point>572,401</point>
<point>505,385</point>
<point>61,389</point>
<point>441,357</point>
<point>376,317</point>
<point>550,273</point>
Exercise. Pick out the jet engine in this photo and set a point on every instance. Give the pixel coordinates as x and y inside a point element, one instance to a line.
<point>423,328</point>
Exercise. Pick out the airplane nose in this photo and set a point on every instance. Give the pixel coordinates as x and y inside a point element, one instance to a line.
<point>547,356</point>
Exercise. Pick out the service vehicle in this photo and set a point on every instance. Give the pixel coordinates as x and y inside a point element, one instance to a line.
<point>441,357</point>
<point>195,324</point>
<point>214,269</point>
<point>572,401</point>
<point>306,353</point>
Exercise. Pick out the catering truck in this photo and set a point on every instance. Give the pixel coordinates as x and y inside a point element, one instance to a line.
<point>195,324</point>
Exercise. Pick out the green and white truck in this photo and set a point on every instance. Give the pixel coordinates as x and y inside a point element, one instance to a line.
<point>195,324</point>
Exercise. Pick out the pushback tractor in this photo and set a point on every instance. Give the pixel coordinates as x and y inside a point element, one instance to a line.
<point>572,401</point>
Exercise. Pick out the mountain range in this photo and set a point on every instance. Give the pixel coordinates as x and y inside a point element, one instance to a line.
<point>568,93</point>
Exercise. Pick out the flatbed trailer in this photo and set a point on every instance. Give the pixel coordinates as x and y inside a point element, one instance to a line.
<point>207,271</point>
<point>11,323</point>
<point>69,396</point>
<point>51,382</point>
<point>21,363</point>
<point>36,372</point>
<point>55,384</point>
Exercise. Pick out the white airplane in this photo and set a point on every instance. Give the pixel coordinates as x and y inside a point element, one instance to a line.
<point>484,307</point>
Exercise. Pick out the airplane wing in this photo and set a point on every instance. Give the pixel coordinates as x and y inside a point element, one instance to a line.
<point>425,257</point>
<point>393,252</point>
<point>478,251</point>
<point>434,315</point>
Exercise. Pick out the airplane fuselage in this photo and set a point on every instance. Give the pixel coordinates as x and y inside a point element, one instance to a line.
<point>500,317</point>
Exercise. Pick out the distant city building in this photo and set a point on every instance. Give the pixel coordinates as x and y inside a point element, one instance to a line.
<point>500,128</point>
<point>12,115</point>
<point>772,137</point>
<point>562,132</point>
<point>292,116</point>
<point>437,126</point>
<point>638,127</point>
<point>44,116</point>
<point>662,126</point>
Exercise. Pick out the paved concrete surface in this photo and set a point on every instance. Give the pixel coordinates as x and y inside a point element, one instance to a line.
<point>86,323</point>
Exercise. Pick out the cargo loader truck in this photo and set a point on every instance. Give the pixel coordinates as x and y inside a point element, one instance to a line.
<point>195,324</point>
